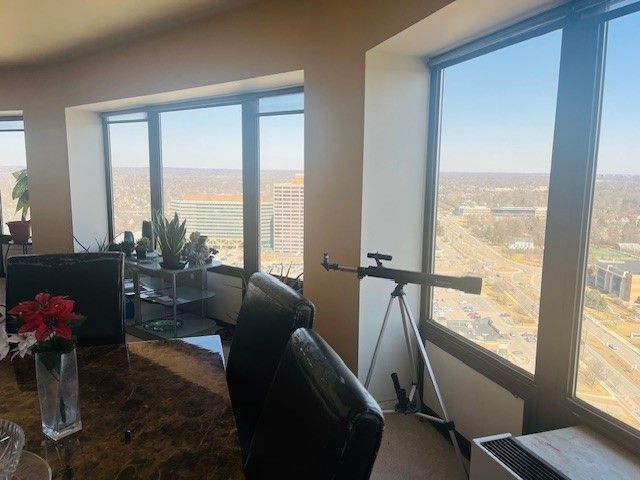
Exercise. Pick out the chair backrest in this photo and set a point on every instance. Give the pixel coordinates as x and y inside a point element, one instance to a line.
<point>270,313</point>
<point>93,280</point>
<point>318,421</point>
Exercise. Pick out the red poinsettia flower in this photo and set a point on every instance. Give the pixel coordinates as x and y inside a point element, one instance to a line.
<point>46,315</point>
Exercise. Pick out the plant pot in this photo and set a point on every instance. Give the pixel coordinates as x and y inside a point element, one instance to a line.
<point>141,253</point>
<point>127,248</point>
<point>20,230</point>
<point>172,263</point>
<point>57,378</point>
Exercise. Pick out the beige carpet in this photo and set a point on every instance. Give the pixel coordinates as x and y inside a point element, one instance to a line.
<point>412,449</point>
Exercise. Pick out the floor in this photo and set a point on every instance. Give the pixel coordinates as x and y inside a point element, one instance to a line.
<point>410,449</point>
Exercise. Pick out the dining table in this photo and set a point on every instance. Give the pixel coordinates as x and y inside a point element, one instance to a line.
<point>155,409</point>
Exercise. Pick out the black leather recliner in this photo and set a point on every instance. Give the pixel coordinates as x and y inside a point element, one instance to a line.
<point>318,422</point>
<point>93,280</point>
<point>270,313</point>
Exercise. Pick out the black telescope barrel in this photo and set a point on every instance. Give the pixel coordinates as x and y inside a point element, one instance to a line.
<point>464,284</point>
<point>380,256</point>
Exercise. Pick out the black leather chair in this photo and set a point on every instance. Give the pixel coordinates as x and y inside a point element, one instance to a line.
<point>270,313</point>
<point>318,421</point>
<point>93,280</point>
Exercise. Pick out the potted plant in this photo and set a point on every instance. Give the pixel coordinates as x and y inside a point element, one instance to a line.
<point>196,251</point>
<point>171,238</point>
<point>46,324</point>
<point>21,229</point>
<point>127,247</point>
<point>142,247</point>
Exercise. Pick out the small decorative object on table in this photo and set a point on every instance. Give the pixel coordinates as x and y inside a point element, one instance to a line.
<point>11,443</point>
<point>125,247</point>
<point>46,329</point>
<point>142,247</point>
<point>171,238</point>
<point>196,251</point>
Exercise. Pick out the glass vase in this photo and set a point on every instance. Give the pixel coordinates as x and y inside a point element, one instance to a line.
<point>57,378</point>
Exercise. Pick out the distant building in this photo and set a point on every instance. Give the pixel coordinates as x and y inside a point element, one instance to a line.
<point>620,279</point>
<point>521,244</point>
<point>481,330</point>
<point>288,215</point>
<point>518,211</point>
<point>500,211</point>
<point>471,210</point>
<point>219,217</point>
<point>629,247</point>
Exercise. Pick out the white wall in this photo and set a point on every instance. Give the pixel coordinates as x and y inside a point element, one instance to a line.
<point>478,406</point>
<point>392,204</point>
<point>87,182</point>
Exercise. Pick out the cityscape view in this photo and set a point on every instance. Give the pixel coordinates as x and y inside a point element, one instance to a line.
<point>492,226</point>
<point>210,200</point>
<point>202,164</point>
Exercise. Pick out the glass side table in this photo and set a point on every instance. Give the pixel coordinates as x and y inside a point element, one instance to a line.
<point>167,291</point>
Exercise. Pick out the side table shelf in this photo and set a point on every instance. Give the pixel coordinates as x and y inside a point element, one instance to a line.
<point>161,287</point>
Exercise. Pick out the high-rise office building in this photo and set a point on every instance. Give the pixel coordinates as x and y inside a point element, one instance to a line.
<point>288,215</point>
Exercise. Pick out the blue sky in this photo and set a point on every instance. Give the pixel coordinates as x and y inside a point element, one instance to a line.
<point>211,138</point>
<point>498,116</point>
<point>499,109</point>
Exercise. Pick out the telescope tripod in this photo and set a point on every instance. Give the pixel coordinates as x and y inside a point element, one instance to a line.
<point>409,404</point>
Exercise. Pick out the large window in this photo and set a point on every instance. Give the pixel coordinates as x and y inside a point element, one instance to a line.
<point>202,175</point>
<point>609,365</point>
<point>130,183</point>
<point>492,193</point>
<point>282,186</point>
<point>231,167</point>
<point>12,159</point>
<point>534,185</point>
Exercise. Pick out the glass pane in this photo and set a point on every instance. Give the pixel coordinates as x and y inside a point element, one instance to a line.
<point>129,145</point>
<point>124,117</point>
<point>202,175</point>
<point>11,125</point>
<point>282,195</point>
<point>497,130</point>
<point>608,370</point>
<point>281,103</point>
<point>12,159</point>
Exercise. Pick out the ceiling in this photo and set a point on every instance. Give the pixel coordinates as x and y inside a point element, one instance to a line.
<point>459,22</point>
<point>41,31</point>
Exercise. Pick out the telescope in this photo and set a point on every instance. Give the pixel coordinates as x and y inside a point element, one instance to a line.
<point>404,277</point>
<point>410,403</point>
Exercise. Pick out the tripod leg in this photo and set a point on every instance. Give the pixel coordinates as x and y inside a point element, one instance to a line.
<point>378,342</point>
<point>403,314</point>
<point>434,383</point>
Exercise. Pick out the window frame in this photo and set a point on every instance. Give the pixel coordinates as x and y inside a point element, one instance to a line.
<point>11,118</point>
<point>250,161</point>
<point>548,395</point>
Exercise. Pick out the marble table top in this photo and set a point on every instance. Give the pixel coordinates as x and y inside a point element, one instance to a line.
<point>171,395</point>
